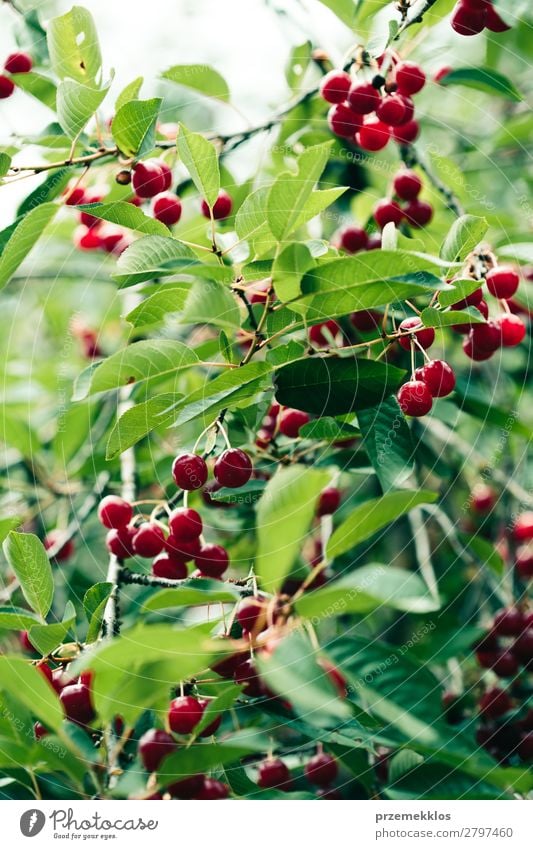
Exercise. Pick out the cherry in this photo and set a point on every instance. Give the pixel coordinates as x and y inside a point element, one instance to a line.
<point>233,468</point>
<point>471,300</point>
<point>494,22</point>
<point>187,788</point>
<point>409,105</point>
<point>522,647</point>
<point>451,707</point>
<point>321,769</point>
<point>363,98</point>
<point>407,133</point>
<point>290,422</point>
<point>246,674</point>
<point>494,703</point>
<point>45,670</point>
<point>167,208</point>
<point>77,703</point>
<point>148,540</point>
<point>386,211</point>
<point>438,376</point>
<point>505,665</point>
<point>418,213</point>
<point>250,613</point>
<point>212,560</point>
<point>374,242</point>
<point>273,773</point>
<point>184,714</point>
<point>365,319</point>
<point>185,524</point>
<point>373,135</point>
<point>86,218</point>
<point>508,622</point>
<point>213,789</point>
<point>475,353</point>
<point>329,501</point>
<point>425,336</point>
<point>114,512</point>
<point>87,240</point>
<point>25,642</point>
<point>343,121</point>
<point>18,63</point>
<point>415,398</point>
<point>167,174</point>
<point>512,329</point>
<point>467,20</point>
<point>119,541</point>
<point>167,566</point>
<point>54,537</point>
<point>7,87</point>
<point>229,664</point>
<point>60,680</point>
<point>183,549</point>
<point>149,178</point>
<point>317,335</point>
<point>155,745</point>
<point>439,75</point>
<point>221,208</point>
<point>410,78</point>
<point>123,178</point>
<point>523,527</point>
<point>213,726</point>
<point>189,471</point>
<point>74,195</point>
<point>392,110</point>
<point>353,239</point>
<point>502,281</point>
<point>113,240</point>
<point>335,86</point>
<point>39,730</point>
<point>483,498</point>
<point>524,561</point>
<point>486,337</point>
<point>407,185</point>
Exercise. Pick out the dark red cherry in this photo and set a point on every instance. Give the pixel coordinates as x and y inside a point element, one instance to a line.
<point>407,185</point>
<point>169,567</point>
<point>187,788</point>
<point>414,398</point>
<point>290,422</point>
<point>148,540</point>
<point>184,714</point>
<point>329,501</point>
<point>185,524</point>
<point>251,613</point>
<point>353,239</point>
<point>114,512</point>
<point>233,468</point>
<point>212,561</point>
<point>363,98</point>
<point>373,135</point>
<point>493,20</point>
<point>494,703</point>
<point>392,110</point>
<point>483,498</point>
<point>7,87</point>
<point>189,471</point>
<point>247,674</point>
<point>508,622</point>
<point>321,769</point>
<point>505,665</point>
<point>523,527</point>
<point>213,789</point>
<point>18,63</point>
<point>524,561</point>
<point>467,20</point>
<point>213,726</point>
<point>486,337</point>
<point>407,133</point>
<point>273,773</point>
<point>77,703</point>
<point>119,541</point>
<point>317,335</point>
<point>386,211</point>
<point>155,745</point>
<point>418,213</point>
<point>184,550</point>
<point>39,730</point>
<point>410,78</point>
<point>512,329</point>
<point>149,178</point>
<point>522,647</point>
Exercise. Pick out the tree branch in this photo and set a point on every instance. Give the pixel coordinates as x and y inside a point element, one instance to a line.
<point>416,16</point>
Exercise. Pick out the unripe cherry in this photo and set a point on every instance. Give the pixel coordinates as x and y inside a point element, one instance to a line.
<point>363,98</point>
<point>438,376</point>
<point>353,239</point>
<point>167,208</point>
<point>343,121</point>
<point>149,540</point>
<point>425,336</point>
<point>410,78</point>
<point>335,86</point>
<point>221,208</point>
<point>185,524</point>
<point>184,714</point>
<point>233,468</point>
<point>502,281</point>
<point>415,398</point>
<point>407,185</point>
<point>114,512</point>
<point>189,471</point>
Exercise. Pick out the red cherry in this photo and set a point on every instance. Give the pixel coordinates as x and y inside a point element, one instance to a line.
<point>409,106</point>
<point>273,773</point>
<point>374,242</point>
<point>407,133</point>
<point>169,567</point>
<point>505,665</point>
<point>523,527</point>
<point>74,196</point>
<point>392,110</point>
<point>483,498</point>
<point>149,178</point>
<point>212,560</point>
<point>418,213</point>
<point>415,398</point>
<point>522,647</point>
<point>187,788</point>
<point>233,468</point>
<point>468,21</point>
<point>386,211</point>
<point>410,78</point>
<point>119,541</point>
<point>189,471</point>
<point>249,613</point>
<point>494,22</point>
<point>185,524</point>
<point>229,664</point>
<point>353,239</point>
<point>155,745</point>
<point>183,549</point>
<point>508,622</point>
<point>494,703</point>
<point>524,561</point>
<point>317,336</point>
<point>221,209</point>
<point>77,703</point>
<point>343,121</point>
<point>45,670</point>
<point>329,501</point>
<point>7,87</point>
<point>213,789</point>
<point>471,300</point>
<point>54,537</point>
<point>290,422</point>
<point>85,217</point>
<point>373,135</point>
<point>329,793</point>
<point>407,185</point>
<point>167,208</point>
<point>438,376</point>
<point>363,98</point>
<point>425,336</point>
<point>246,674</point>
<point>335,86</point>
<point>213,726</point>
<point>39,730</point>
<point>365,319</point>
<point>60,679</point>
<point>18,63</point>
<point>87,240</point>
<point>512,329</point>
<point>184,714</point>
<point>167,174</point>
<point>502,281</point>
<point>486,337</point>
<point>321,769</point>
<point>439,75</point>
<point>149,540</point>
<point>114,512</point>
<point>473,352</point>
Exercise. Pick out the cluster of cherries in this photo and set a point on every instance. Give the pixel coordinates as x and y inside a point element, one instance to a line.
<point>74,693</point>
<point>515,545</point>
<point>371,113</point>
<point>404,205</point>
<point>471,17</point>
<point>172,551</point>
<point>16,63</point>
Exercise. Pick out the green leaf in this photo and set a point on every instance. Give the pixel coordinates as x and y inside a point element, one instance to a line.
<point>387,441</point>
<point>129,92</point>
<point>7,525</point>
<point>368,589</point>
<point>46,638</point>
<point>299,60</point>
<point>465,233</point>
<point>216,706</point>
<point>211,303</point>
<point>345,10</point>
<point>521,251</point>
<point>201,78</point>
<point>23,681</point>
<point>328,428</point>
<point>199,157</point>
<point>133,126</point>
<point>27,557</point>
<point>458,290</point>
<point>73,46</point>
<point>290,191</point>
<point>193,592</point>
<point>473,402</point>
<point>432,317</point>
<point>284,514</point>
<point>94,603</point>
<point>206,756</point>
<point>483,79</point>
<point>48,190</point>
<point>38,86</point>
<point>149,257</point>
<point>125,215</point>
<point>251,215</point>
<point>23,238</point>
<point>425,781</point>
<point>154,309</point>
<point>317,201</point>
<point>371,516</point>
<point>484,551</point>
<point>16,618</point>
<point>76,104</point>
<point>141,361</point>
<point>5,164</point>
<point>288,269</point>
<point>333,386</point>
